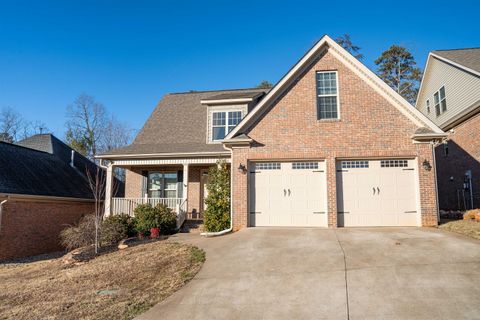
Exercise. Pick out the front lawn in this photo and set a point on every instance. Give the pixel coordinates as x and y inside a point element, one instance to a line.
<point>116,285</point>
<point>469,228</point>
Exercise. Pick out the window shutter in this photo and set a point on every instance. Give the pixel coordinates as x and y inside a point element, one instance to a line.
<point>180,184</point>
<point>144,190</point>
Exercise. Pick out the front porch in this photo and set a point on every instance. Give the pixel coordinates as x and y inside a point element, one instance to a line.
<point>179,184</point>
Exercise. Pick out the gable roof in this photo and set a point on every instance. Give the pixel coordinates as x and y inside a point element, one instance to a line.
<point>326,43</point>
<point>33,172</point>
<point>468,58</point>
<point>178,125</point>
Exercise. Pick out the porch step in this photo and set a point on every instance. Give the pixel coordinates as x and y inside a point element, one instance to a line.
<point>192,226</point>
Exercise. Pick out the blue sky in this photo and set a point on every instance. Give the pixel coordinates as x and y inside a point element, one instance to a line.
<point>127,54</point>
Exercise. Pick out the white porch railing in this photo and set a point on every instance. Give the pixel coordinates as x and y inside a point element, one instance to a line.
<point>128,205</point>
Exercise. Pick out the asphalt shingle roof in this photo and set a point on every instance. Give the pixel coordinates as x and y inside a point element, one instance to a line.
<point>179,124</point>
<point>32,172</point>
<point>469,58</point>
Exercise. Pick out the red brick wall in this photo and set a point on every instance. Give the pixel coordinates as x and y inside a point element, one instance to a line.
<point>369,126</point>
<point>33,227</point>
<point>463,155</point>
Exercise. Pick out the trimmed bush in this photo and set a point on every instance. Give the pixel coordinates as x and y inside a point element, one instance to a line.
<point>148,217</point>
<point>116,228</point>
<point>145,218</point>
<point>217,213</point>
<point>167,219</point>
<point>80,235</point>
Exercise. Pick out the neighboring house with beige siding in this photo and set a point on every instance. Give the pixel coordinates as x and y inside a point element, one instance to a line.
<point>330,145</point>
<point>450,96</point>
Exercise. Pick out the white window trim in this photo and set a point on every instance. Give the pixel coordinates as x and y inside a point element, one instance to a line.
<point>328,95</point>
<point>439,101</point>
<point>164,190</point>
<point>427,103</point>
<point>213,109</point>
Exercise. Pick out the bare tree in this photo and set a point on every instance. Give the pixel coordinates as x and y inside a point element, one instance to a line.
<point>115,135</point>
<point>91,130</point>
<point>96,182</point>
<point>14,127</point>
<point>11,124</point>
<point>87,119</point>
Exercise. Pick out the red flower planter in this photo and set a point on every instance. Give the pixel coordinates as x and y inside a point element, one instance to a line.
<point>154,233</point>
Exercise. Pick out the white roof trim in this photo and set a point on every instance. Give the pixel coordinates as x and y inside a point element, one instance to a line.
<point>386,91</point>
<point>461,66</point>
<point>225,101</point>
<point>161,155</point>
<point>421,82</point>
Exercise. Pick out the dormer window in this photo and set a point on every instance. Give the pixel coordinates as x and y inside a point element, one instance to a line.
<point>223,122</point>
<point>223,119</point>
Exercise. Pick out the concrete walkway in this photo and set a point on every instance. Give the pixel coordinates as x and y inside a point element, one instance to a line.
<point>296,273</point>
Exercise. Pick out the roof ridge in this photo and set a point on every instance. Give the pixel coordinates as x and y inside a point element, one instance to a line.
<point>20,146</point>
<point>457,49</point>
<point>220,90</point>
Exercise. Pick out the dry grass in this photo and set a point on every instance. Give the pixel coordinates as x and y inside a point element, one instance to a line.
<point>133,280</point>
<point>469,228</point>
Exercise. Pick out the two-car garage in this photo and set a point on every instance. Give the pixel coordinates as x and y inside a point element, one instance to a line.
<point>370,192</point>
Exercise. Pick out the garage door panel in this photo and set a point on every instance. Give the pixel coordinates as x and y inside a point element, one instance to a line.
<point>293,195</point>
<point>377,193</point>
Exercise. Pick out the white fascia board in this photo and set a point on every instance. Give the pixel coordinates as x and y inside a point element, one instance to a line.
<point>161,155</point>
<point>423,77</point>
<point>226,101</point>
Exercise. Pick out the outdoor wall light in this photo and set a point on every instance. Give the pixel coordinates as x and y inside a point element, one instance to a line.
<point>242,168</point>
<point>426,165</point>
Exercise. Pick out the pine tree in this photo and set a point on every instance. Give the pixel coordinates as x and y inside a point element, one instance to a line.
<point>347,44</point>
<point>397,67</point>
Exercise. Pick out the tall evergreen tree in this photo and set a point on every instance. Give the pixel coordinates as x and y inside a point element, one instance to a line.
<point>347,44</point>
<point>264,85</point>
<point>397,67</point>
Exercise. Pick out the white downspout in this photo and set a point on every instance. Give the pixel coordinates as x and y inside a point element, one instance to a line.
<point>1,211</point>
<point>433,144</point>
<point>220,233</point>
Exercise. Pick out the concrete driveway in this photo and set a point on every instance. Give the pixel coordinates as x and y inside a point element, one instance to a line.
<point>377,273</point>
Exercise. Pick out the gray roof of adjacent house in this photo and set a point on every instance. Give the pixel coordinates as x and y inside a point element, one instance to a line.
<point>33,172</point>
<point>469,58</point>
<point>179,124</point>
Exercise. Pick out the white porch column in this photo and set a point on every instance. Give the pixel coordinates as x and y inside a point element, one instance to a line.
<point>185,181</point>
<point>108,190</point>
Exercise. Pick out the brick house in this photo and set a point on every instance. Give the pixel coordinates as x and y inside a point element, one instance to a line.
<point>450,96</point>
<point>43,189</point>
<point>329,145</point>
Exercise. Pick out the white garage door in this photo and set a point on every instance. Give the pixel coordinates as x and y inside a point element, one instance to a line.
<point>288,194</point>
<point>377,193</point>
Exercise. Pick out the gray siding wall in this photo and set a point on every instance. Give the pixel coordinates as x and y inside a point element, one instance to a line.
<point>462,90</point>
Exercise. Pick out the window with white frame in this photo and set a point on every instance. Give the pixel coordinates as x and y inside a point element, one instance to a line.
<point>327,95</point>
<point>162,184</point>
<point>223,122</point>
<point>440,101</point>
<point>428,105</point>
